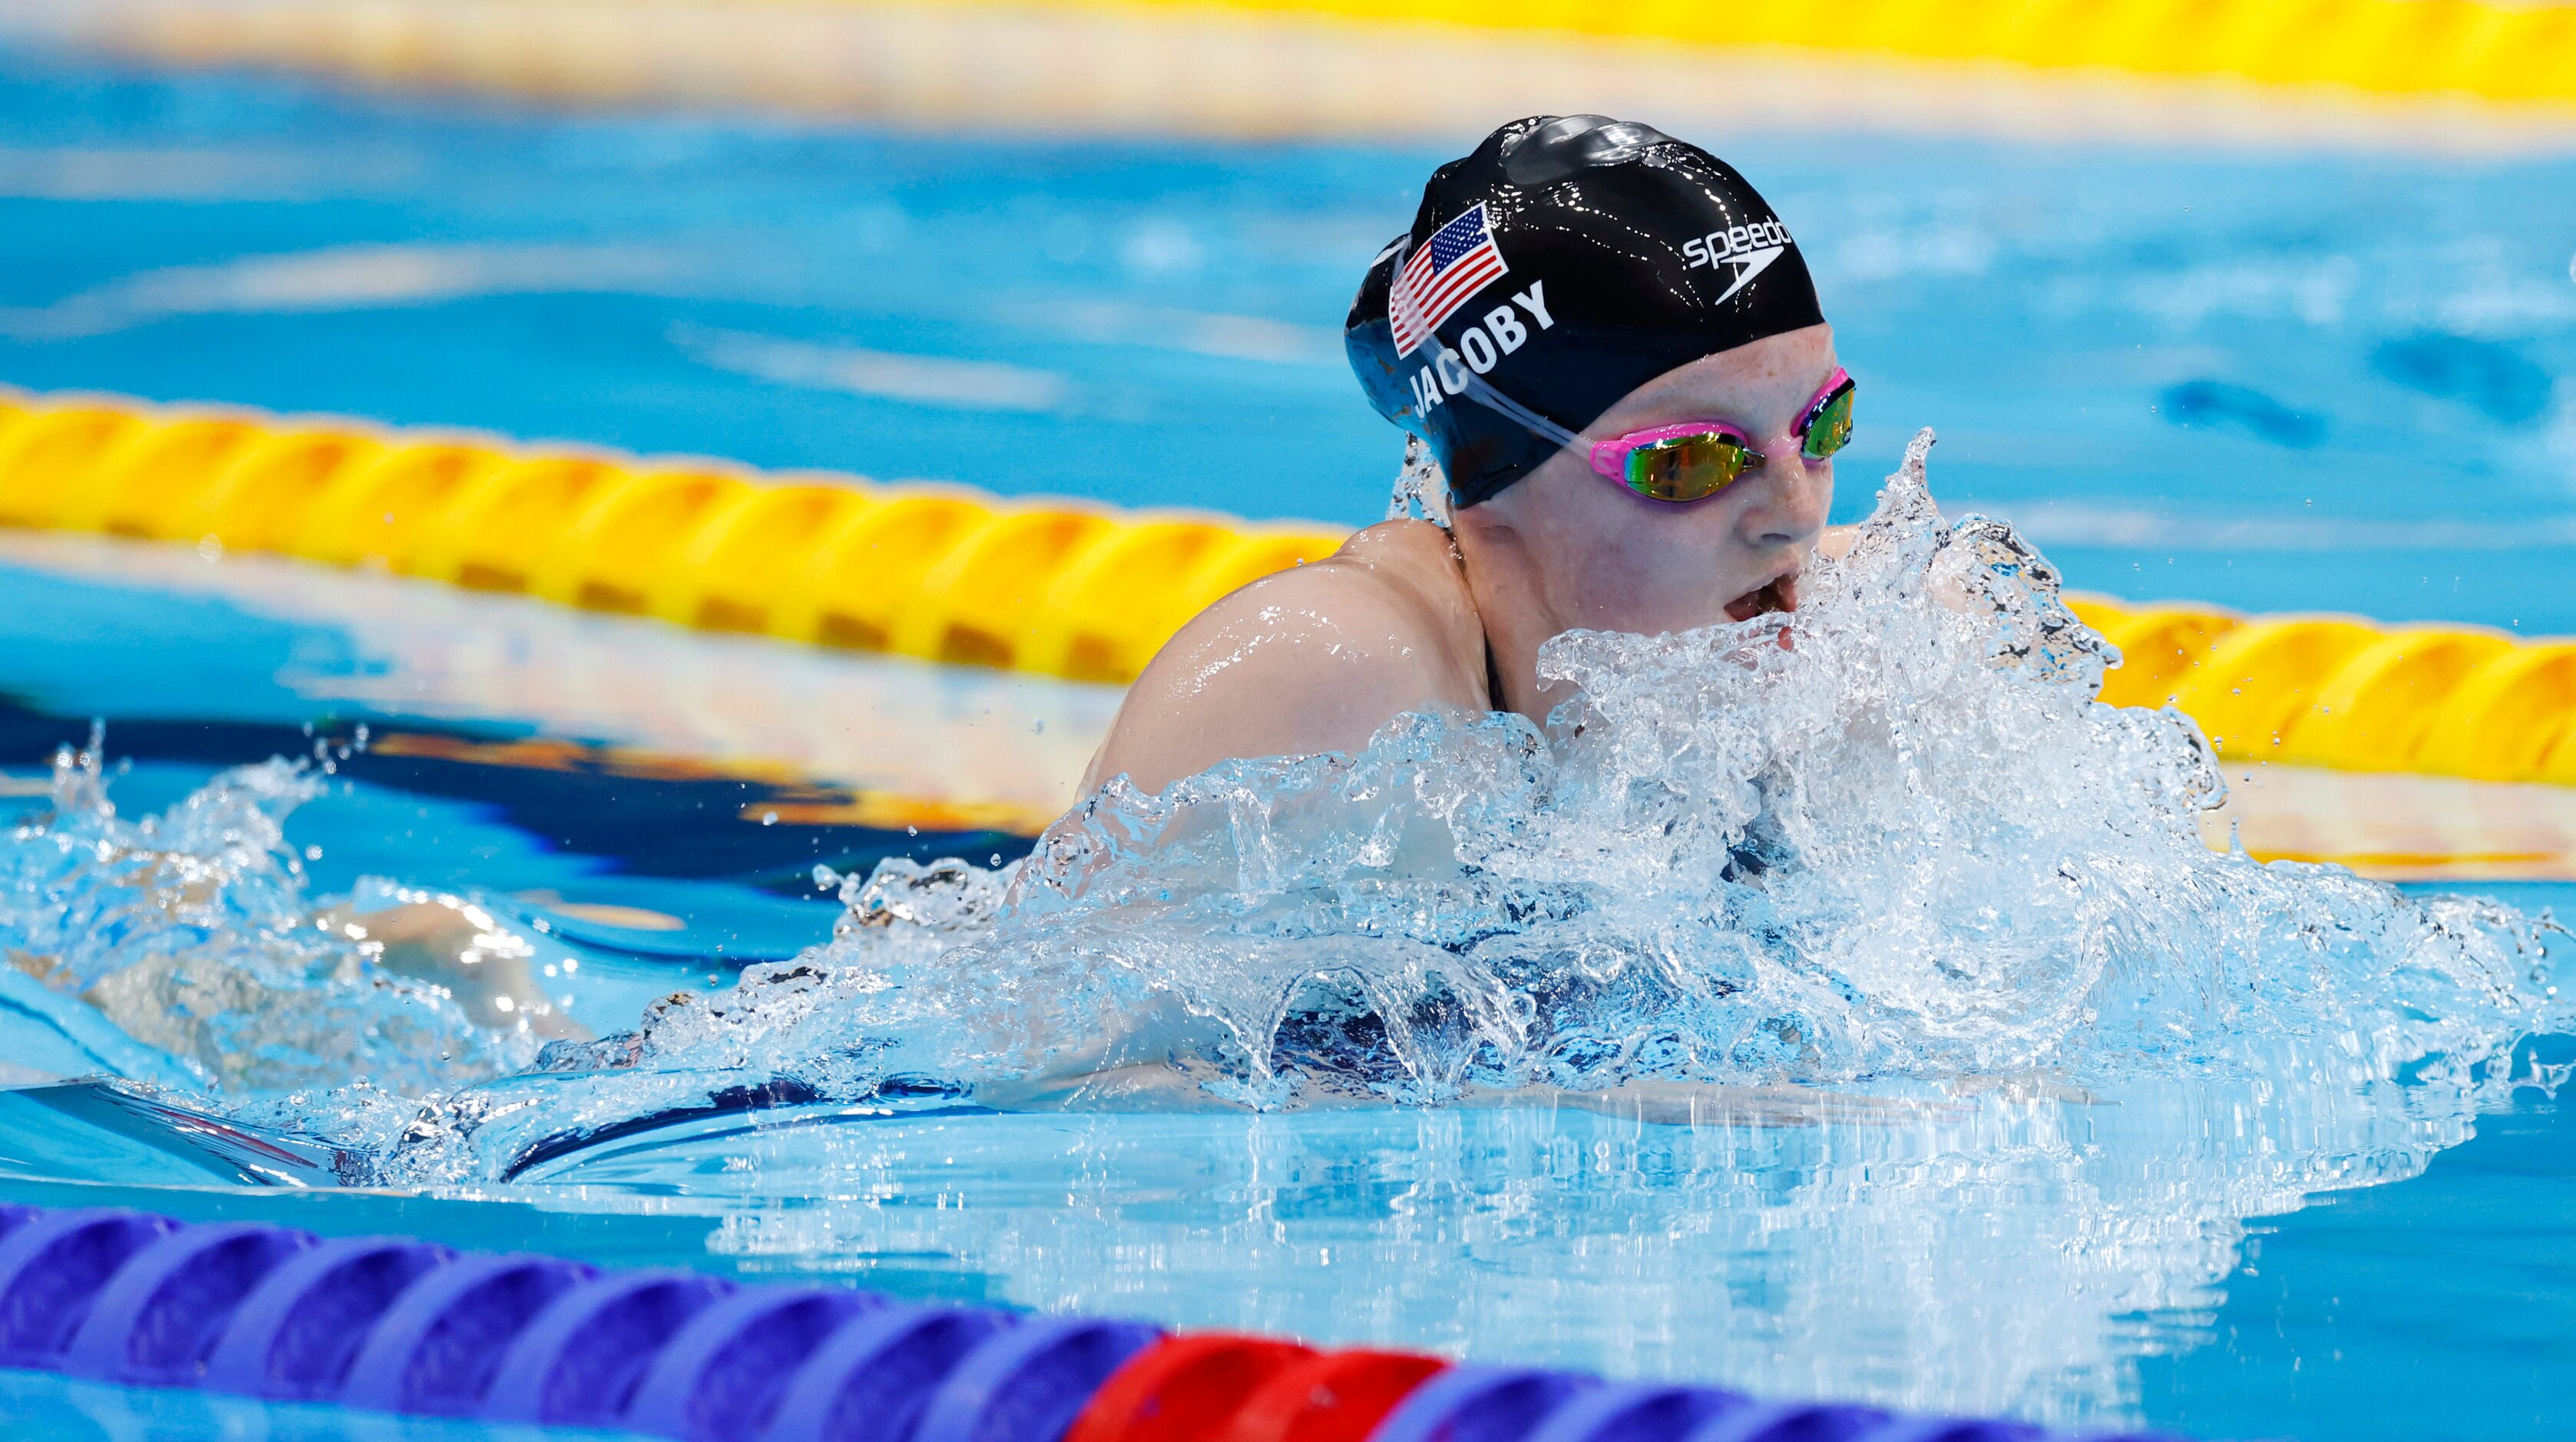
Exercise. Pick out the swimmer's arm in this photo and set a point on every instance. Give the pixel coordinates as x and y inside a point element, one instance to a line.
<point>447,945</point>
<point>1313,659</point>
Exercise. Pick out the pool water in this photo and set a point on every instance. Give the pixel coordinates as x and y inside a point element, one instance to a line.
<point>2272,379</point>
<point>2181,372</point>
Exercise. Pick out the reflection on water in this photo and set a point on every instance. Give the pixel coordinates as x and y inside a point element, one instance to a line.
<point>2003,1256</point>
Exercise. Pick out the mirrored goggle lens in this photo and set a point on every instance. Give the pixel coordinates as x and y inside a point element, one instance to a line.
<point>1688,468</point>
<point>1829,427</point>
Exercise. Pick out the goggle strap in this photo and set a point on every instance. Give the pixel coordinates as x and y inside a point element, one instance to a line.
<point>1485,395</point>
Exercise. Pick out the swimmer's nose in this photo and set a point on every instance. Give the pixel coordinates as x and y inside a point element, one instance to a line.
<point>1787,507</point>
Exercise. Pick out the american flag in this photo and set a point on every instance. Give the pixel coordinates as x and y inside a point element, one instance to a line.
<point>1459,260</point>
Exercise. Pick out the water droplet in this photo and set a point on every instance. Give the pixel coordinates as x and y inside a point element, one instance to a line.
<point>769,818</point>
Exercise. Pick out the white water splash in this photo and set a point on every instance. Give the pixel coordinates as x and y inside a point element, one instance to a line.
<point>1890,843</point>
<point>192,932</point>
<point>1889,846</point>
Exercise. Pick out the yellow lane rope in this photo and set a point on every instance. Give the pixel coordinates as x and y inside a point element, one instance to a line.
<point>1066,588</point>
<point>941,572</point>
<point>2521,55</point>
<point>2350,693</point>
<point>2399,47</point>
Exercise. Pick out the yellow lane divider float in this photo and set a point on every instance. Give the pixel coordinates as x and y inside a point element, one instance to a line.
<point>2510,51</point>
<point>2349,693</point>
<point>941,572</point>
<point>2514,52</point>
<point>948,573</point>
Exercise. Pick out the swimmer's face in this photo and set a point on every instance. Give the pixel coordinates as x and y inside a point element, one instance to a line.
<point>1623,562</point>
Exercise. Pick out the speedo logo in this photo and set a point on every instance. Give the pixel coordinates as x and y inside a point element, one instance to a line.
<point>1749,248</point>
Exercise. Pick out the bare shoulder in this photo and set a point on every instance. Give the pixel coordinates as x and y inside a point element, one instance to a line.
<point>1311,659</point>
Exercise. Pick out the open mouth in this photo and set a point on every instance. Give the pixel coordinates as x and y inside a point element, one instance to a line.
<point>1780,594</point>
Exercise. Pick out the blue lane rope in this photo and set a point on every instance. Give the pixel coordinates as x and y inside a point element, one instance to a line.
<point>399,1324</point>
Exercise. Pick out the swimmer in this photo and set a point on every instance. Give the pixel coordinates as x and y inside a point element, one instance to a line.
<point>1611,346</point>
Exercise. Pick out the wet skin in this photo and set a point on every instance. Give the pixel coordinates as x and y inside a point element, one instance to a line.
<point>1318,658</point>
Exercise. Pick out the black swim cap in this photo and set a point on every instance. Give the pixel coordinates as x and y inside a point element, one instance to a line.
<point>1568,261</point>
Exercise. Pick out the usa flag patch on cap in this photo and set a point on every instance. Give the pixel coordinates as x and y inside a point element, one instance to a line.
<point>1459,260</point>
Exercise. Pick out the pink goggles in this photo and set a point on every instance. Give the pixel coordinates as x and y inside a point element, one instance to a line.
<point>1695,460</point>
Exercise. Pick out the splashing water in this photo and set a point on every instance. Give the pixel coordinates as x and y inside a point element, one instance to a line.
<point>192,932</point>
<point>1421,490</point>
<point>1890,838</point>
<point>1887,846</point>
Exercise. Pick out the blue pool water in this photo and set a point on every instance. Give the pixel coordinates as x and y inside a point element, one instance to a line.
<point>2264,379</point>
<point>2295,379</point>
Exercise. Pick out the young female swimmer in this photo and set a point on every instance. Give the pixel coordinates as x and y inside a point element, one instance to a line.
<point>1613,348</point>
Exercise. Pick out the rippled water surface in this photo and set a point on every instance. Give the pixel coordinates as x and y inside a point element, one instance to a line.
<point>1854,1017</point>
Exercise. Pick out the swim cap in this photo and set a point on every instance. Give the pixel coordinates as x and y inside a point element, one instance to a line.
<point>1568,261</point>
